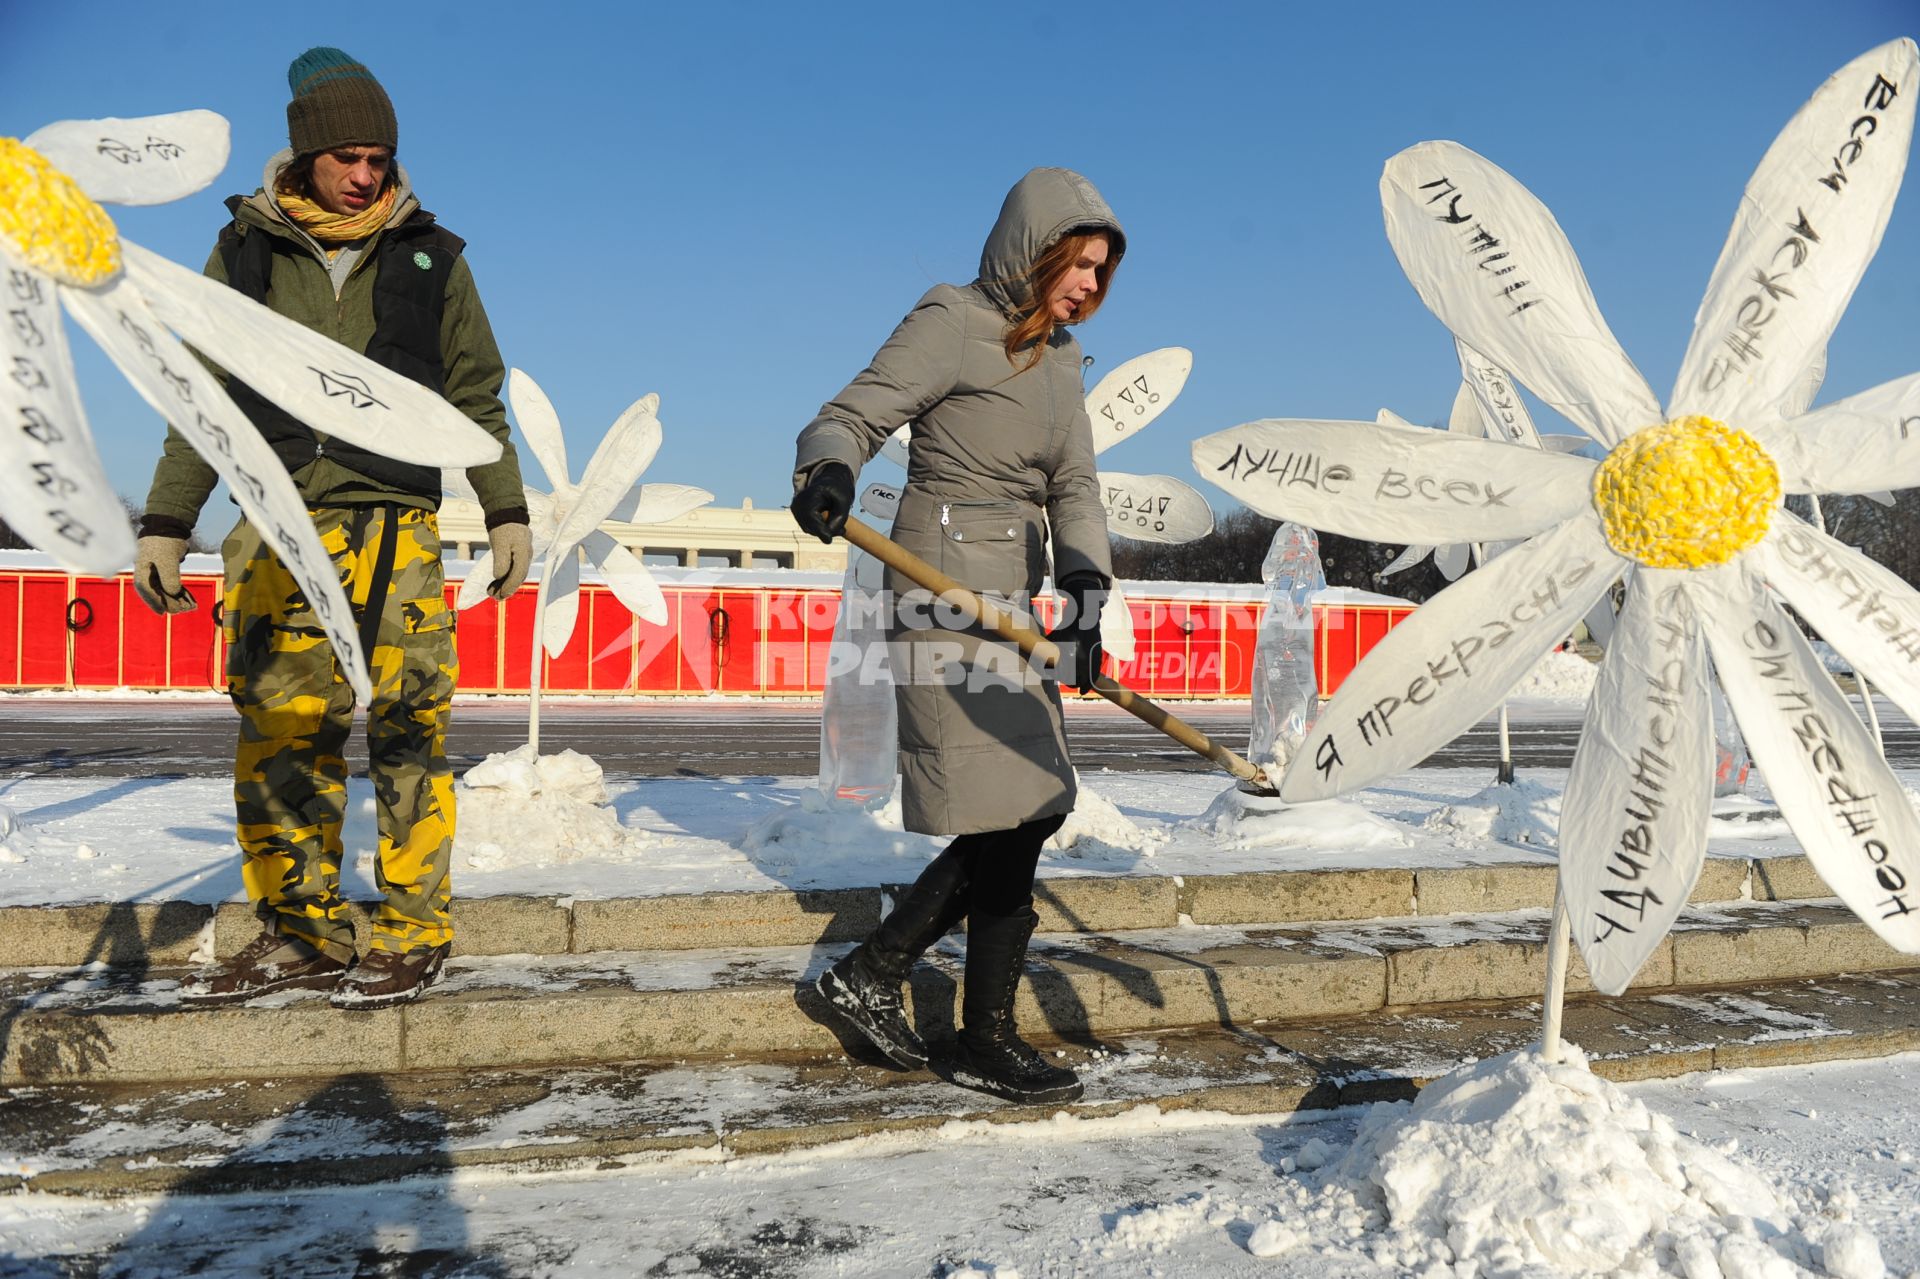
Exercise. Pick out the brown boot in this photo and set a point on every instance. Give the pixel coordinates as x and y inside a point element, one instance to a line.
<point>385,978</point>
<point>270,962</point>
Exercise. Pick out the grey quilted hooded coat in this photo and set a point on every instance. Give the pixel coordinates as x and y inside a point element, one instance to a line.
<point>998,455</point>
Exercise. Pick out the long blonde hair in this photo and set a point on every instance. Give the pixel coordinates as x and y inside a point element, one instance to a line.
<point>1036,324</point>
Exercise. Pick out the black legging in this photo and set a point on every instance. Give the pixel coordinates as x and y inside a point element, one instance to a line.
<point>1001,863</point>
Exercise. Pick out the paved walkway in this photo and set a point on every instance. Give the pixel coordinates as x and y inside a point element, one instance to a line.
<point>155,736</point>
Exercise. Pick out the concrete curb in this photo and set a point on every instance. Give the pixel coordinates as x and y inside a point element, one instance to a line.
<point>138,935</point>
<point>680,1006</point>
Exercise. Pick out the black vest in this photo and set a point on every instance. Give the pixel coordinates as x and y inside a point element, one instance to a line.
<point>408,299</point>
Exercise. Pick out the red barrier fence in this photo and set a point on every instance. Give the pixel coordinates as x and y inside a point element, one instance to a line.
<point>753,636</point>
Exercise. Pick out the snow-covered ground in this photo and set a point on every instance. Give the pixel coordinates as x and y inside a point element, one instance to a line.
<point>558,829</point>
<point>1742,1174</point>
<point>1511,1167</point>
<point>150,839</point>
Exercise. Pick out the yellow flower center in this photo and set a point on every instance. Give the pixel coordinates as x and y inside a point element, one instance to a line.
<point>1690,493</point>
<point>50,222</point>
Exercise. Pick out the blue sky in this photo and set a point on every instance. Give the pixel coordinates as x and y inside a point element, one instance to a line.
<point>732,204</point>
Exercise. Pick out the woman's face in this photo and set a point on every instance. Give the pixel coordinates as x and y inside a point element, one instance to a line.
<point>1080,282</point>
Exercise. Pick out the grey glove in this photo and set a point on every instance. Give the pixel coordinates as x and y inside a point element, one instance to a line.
<point>512,547</point>
<point>156,574</point>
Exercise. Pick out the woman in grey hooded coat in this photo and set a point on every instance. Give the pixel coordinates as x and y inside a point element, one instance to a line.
<point>1001,454</point>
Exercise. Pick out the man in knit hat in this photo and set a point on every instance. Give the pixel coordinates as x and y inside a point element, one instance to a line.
<point>336,240</point>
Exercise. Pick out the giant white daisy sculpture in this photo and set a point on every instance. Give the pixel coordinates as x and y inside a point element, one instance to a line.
<point>1487,404</point>
<point>59,248</point>
<point>1689,499</point>
<point>569,519</point>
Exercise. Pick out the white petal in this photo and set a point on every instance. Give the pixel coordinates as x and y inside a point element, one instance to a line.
<point>1125,400</point>
<point>1564,443</point>
<point>540,516</point>
<point>1864,443</point>
<point>181,390</point>
<point>896,445</point>
<point>1503,413</point>
<point>479,578</point>
<point>1387,417</point>
<point>1860,607</point>
<point>1800,398</point>
<point>54,491</point>
<point>1452,560</point>
<point>1116,626</point>
<point>1602,621</point>
<point>540,425</point>
<point>1389,485</point>
<point>1834,789</point>
<point>1464,417</point>
<point>1406,559</point>
<point>625,451</point>
<point>1154,508</point>
<point>1438,672</point>
<point>1633,823</point>
<point>869,574</point>
<point>881,501</point>
<point>1487,258</point>
<point>314,378</point>
<point>629,580</point>
<point>149,159</point>
<point>1807,226</point>
<point>563,599</point>
<point>1485,551</point>
<point>454,483</point>
<point>659,503</point>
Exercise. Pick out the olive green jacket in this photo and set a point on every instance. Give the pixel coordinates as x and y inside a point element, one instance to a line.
<point>303,289</point>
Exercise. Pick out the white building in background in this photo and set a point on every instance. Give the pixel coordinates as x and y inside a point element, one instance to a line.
<point>711,537</point>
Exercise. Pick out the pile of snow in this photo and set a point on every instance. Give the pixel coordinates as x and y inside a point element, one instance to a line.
<point>1237,819</point>
<point>1519,812</point>
<point>21,842</point>
<point>16,840</point>
<point>1096,820</point>
<point>519,809</point>
<point>820,823</point>
<point>1560,677</point>
<point>1518,1166</point>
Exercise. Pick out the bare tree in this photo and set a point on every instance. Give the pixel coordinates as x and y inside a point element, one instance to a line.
<point>1889,535</point>
<point>1235,549</point>
<point>12,541</point>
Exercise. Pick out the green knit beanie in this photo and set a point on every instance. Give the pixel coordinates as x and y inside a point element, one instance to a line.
<point>337,103</point>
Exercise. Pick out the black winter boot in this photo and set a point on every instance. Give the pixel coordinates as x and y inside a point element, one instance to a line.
<point>992,1057</point>
<point>863,990</point>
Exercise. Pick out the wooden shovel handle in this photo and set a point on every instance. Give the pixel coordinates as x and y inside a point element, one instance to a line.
<point>1011,628</point>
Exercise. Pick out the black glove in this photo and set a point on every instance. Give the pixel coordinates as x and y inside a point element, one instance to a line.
<point>821,508</point>
<point>1077,629</point>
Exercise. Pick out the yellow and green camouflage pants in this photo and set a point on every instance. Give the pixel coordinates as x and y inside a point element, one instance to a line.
<point>296,710</point>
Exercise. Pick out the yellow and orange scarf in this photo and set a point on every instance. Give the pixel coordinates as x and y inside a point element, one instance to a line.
<point>338,228</point>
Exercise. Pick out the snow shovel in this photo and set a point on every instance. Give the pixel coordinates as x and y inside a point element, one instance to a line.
<point>1035,645</point>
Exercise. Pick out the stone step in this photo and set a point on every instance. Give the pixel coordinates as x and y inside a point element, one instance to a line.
<point>129,935</point>
<point>358,1128</point>
<point>504,1012</point>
